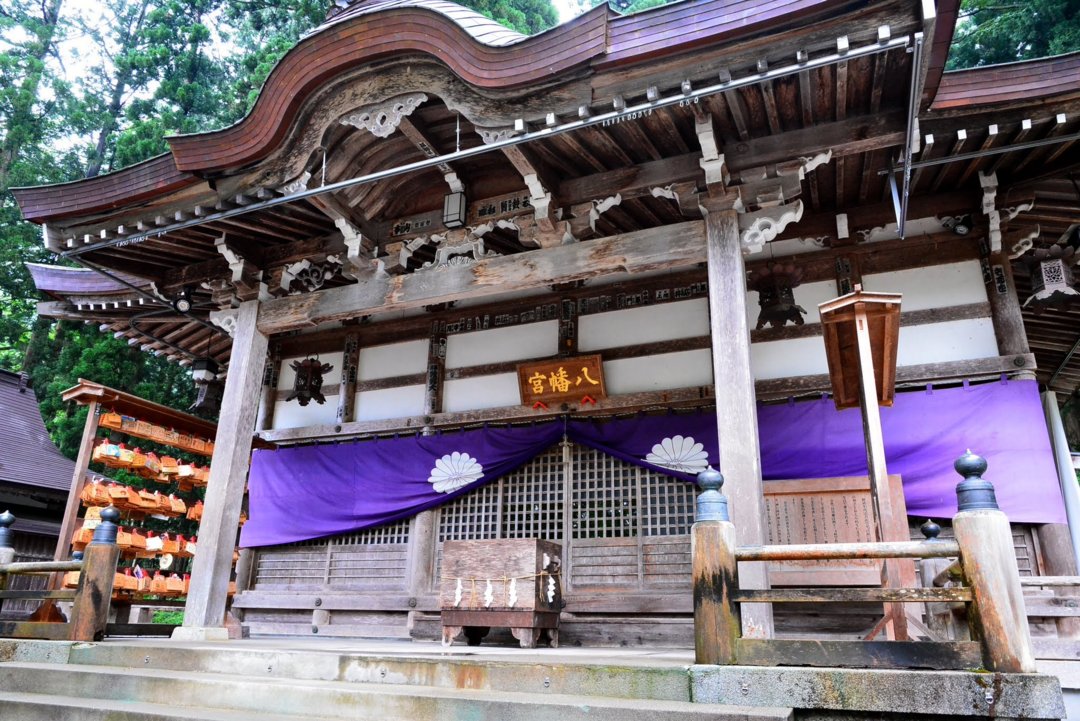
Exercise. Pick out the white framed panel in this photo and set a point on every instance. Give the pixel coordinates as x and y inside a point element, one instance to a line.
<point>287,376</point>
<point>665,371</point>
<point>392,359</point>
<point>646,324</point>
<point>290,414</point>
<point>385,403</point>
<point>807,296</point>
<point>787,358</point>
<point>935,286</point>
<point>499,345</point>
<point>470,394</point>
<point>951,341</point>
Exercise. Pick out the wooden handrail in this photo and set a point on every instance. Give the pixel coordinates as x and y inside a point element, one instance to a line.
<point>1047,581</point>
<point>23,568</point>
<point>848,551</point>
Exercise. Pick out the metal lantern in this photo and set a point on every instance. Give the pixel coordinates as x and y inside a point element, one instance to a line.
<point>309,380</point>
<point>775,286</point>
<point>454,208</point>
<point>1051,271</point>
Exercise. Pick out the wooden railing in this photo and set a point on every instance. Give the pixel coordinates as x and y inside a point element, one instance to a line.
<point>89,601</point>
<point>986,567</point>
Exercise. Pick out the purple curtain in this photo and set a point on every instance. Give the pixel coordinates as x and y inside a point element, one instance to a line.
<point>307,492</point>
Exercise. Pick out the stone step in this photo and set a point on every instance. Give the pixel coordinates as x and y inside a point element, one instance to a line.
<point>316,699</point>
<point>46,707</point>
<point>668,683</point>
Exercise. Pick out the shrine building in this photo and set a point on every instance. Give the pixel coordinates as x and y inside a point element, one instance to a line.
<point>463,284</point>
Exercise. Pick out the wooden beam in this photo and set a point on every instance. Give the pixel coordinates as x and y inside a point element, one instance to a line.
<point>663,248</point>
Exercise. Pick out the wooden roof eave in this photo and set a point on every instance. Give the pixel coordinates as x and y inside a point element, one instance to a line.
<point>375,36</point>
<point>1024,85</point>
<point>132,405</point>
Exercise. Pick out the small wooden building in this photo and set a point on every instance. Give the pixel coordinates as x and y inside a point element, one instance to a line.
<point>475,285</point>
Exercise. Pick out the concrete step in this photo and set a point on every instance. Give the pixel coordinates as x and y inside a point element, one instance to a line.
<point>211,692</point>
<point>668,683</point>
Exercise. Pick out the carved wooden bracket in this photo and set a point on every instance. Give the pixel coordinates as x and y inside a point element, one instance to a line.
<point>225,319</point>
<point>1021,241</point>
<point>685,194</point>
<point>305,276</point>
<point>758,228</point>
<point>993,214</point>
<point>247,278</point>
<point>382,119</point>
<point>584,215</point>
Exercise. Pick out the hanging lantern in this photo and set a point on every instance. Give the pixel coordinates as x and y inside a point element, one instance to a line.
<point>309,380</point>
<point>775,286</point>
<point>1051,272</point>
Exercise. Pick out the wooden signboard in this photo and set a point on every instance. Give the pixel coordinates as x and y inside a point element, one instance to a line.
<point>561,380</point>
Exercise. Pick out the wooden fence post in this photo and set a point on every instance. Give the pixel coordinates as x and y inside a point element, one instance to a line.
<point>7,547</point>
<point>90,610</point>
<point>997,613</point>
<point>712,549</point>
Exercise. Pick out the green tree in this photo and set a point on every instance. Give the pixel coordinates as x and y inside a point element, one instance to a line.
<point>990,32</point>
<point>526,16</point>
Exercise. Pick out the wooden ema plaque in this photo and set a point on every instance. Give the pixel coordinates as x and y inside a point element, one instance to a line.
<point>562,380</point>
<point>513,583</point>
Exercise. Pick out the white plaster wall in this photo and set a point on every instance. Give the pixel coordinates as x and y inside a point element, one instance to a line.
<point>935,286</point>
<point>287,376</point>
<point>378,405</point>
<point>665,371</point>
<point>392,360</point>
<point>468,394</point>
<point>784,358</point>
<point>951,341</point>
<point>808,296</point>
<point>647,324</point>
<point>292,415</point>
<point>498,345</point>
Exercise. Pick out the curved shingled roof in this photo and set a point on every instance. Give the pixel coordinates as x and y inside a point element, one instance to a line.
<point>58,279</point>
<point>482,29</point>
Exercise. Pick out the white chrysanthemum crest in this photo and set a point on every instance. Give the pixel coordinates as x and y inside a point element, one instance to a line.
<point>453,471</point>
<point>678,453</point>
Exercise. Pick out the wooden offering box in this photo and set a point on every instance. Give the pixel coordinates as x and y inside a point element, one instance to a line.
<point>512,583</point>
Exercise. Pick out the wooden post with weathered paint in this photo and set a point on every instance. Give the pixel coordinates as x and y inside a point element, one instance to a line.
<point>204,613</point>
<point>90,609</point>
<point>736,404</point>
<point>712,551</point>
<point>998,616</point>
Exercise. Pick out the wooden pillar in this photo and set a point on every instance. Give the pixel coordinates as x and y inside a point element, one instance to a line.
<point>423,536</point>
<point>1004,306</point>
<point>265,421</point>
<point>204,614</point>
<point>875,462</point>
<point>1055,539</point>
<point>78,479</point>
<point>346,410</point>
<point>736,410</point>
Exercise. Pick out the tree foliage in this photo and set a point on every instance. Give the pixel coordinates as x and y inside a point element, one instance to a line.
<point>91,89</point>
<point>990,32</point>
